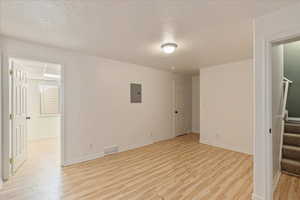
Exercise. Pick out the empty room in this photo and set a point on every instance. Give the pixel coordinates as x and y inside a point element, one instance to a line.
<point>149,100</point>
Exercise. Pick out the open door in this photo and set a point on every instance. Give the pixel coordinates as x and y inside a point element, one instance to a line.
<point>19,116</point>
<point>179,108</point>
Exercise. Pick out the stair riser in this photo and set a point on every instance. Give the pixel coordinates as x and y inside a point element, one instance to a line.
<point>290,168</point>
<point>291,154</point>
<point>289,140</point>
<point>292,129</point>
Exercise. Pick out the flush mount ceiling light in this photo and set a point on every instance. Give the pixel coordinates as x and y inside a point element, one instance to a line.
<point>169,48</point>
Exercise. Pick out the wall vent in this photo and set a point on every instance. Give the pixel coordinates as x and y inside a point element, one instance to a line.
<point>111,150</point>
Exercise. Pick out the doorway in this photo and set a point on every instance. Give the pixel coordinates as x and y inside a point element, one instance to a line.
<point>285,68</point>
<point>179,107</point>
<point>34,130</point>
<point>182,95</point>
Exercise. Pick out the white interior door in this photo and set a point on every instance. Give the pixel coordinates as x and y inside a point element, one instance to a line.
<point>19,115</point>
<point>179,108</point>
<point>277,105</point>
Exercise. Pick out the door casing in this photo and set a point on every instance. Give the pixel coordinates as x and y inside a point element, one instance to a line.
<point>263,110</point>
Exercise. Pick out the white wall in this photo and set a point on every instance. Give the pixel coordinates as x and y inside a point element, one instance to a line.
<point>40,126</point>
<point>277,104</point>
<point>286,26</point>
<point>226,106</point>
<point>98,112</point>
<point>195,104</point>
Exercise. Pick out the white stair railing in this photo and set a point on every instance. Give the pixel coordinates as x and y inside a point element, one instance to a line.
<point>286,83</point>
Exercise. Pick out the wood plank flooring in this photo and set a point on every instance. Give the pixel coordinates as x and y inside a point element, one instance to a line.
<point>176,169</point>
<point>288,188</point>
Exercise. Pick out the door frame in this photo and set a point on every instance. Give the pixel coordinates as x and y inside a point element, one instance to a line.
<point>263,156</point>
<point>173,107</point>
<point>175,134</point>
<point>6,103</point>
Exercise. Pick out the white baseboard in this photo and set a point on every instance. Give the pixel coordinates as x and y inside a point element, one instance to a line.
<point>223,146</point>
<point>83,159</point>
<point>293,119</point>
<point>256,197</point>
<point>101,154</point>
<point>276,180</point>
<point>134,146</point>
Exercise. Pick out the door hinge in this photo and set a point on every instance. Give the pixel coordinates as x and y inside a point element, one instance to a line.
<point>11,116</point>
<point>270,131</point>
<point>11,161</point>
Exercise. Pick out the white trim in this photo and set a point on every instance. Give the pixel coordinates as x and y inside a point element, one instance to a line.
<point>269,139</point>
<point>5,117</point>
<point>83,159</point>
<point>134,146</point>
<point>276,180</point>
<point>173,107</point>
<point>297,119</point>
<point>222,146</point>
<point>101,154</point>
<point>256,197</point>
<point>281,143</point>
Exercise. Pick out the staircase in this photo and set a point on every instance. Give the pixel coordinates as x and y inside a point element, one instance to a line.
<point>290,162</point>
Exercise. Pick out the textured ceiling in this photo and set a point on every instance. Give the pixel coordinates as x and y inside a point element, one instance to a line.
<point>208,32</point>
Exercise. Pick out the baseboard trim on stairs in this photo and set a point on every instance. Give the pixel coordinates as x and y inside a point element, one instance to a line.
<point>290,174</point>
<point>276,180</point>
<point>296,119</point>
<point>257,197</point>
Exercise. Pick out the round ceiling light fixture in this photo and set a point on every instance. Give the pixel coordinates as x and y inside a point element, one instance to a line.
<point>169,48</point>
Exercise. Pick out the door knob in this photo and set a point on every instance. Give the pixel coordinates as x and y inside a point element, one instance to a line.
<point>28,118</point>
<point>176,111</point>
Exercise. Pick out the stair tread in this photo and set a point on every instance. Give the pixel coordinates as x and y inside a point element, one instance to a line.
<point>290,161</point>
<point>291,147</point>
<point>292,128</point>
<point>292,124</point>
<point>292,139</point>
<point>292,134</point>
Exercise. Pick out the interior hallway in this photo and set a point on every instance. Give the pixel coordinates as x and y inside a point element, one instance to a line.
<point>179,168</point>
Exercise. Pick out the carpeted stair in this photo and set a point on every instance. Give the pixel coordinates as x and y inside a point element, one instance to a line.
<point>291,149</point>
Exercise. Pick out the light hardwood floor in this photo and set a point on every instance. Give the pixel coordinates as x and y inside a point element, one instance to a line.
<point>288,188</point>
<point>176,169</point>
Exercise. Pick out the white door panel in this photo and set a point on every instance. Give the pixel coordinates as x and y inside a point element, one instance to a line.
<point>179,108</point>
<point>19,111</point>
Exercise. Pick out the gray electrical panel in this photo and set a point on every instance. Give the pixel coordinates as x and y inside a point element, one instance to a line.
<point>135,93</point>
